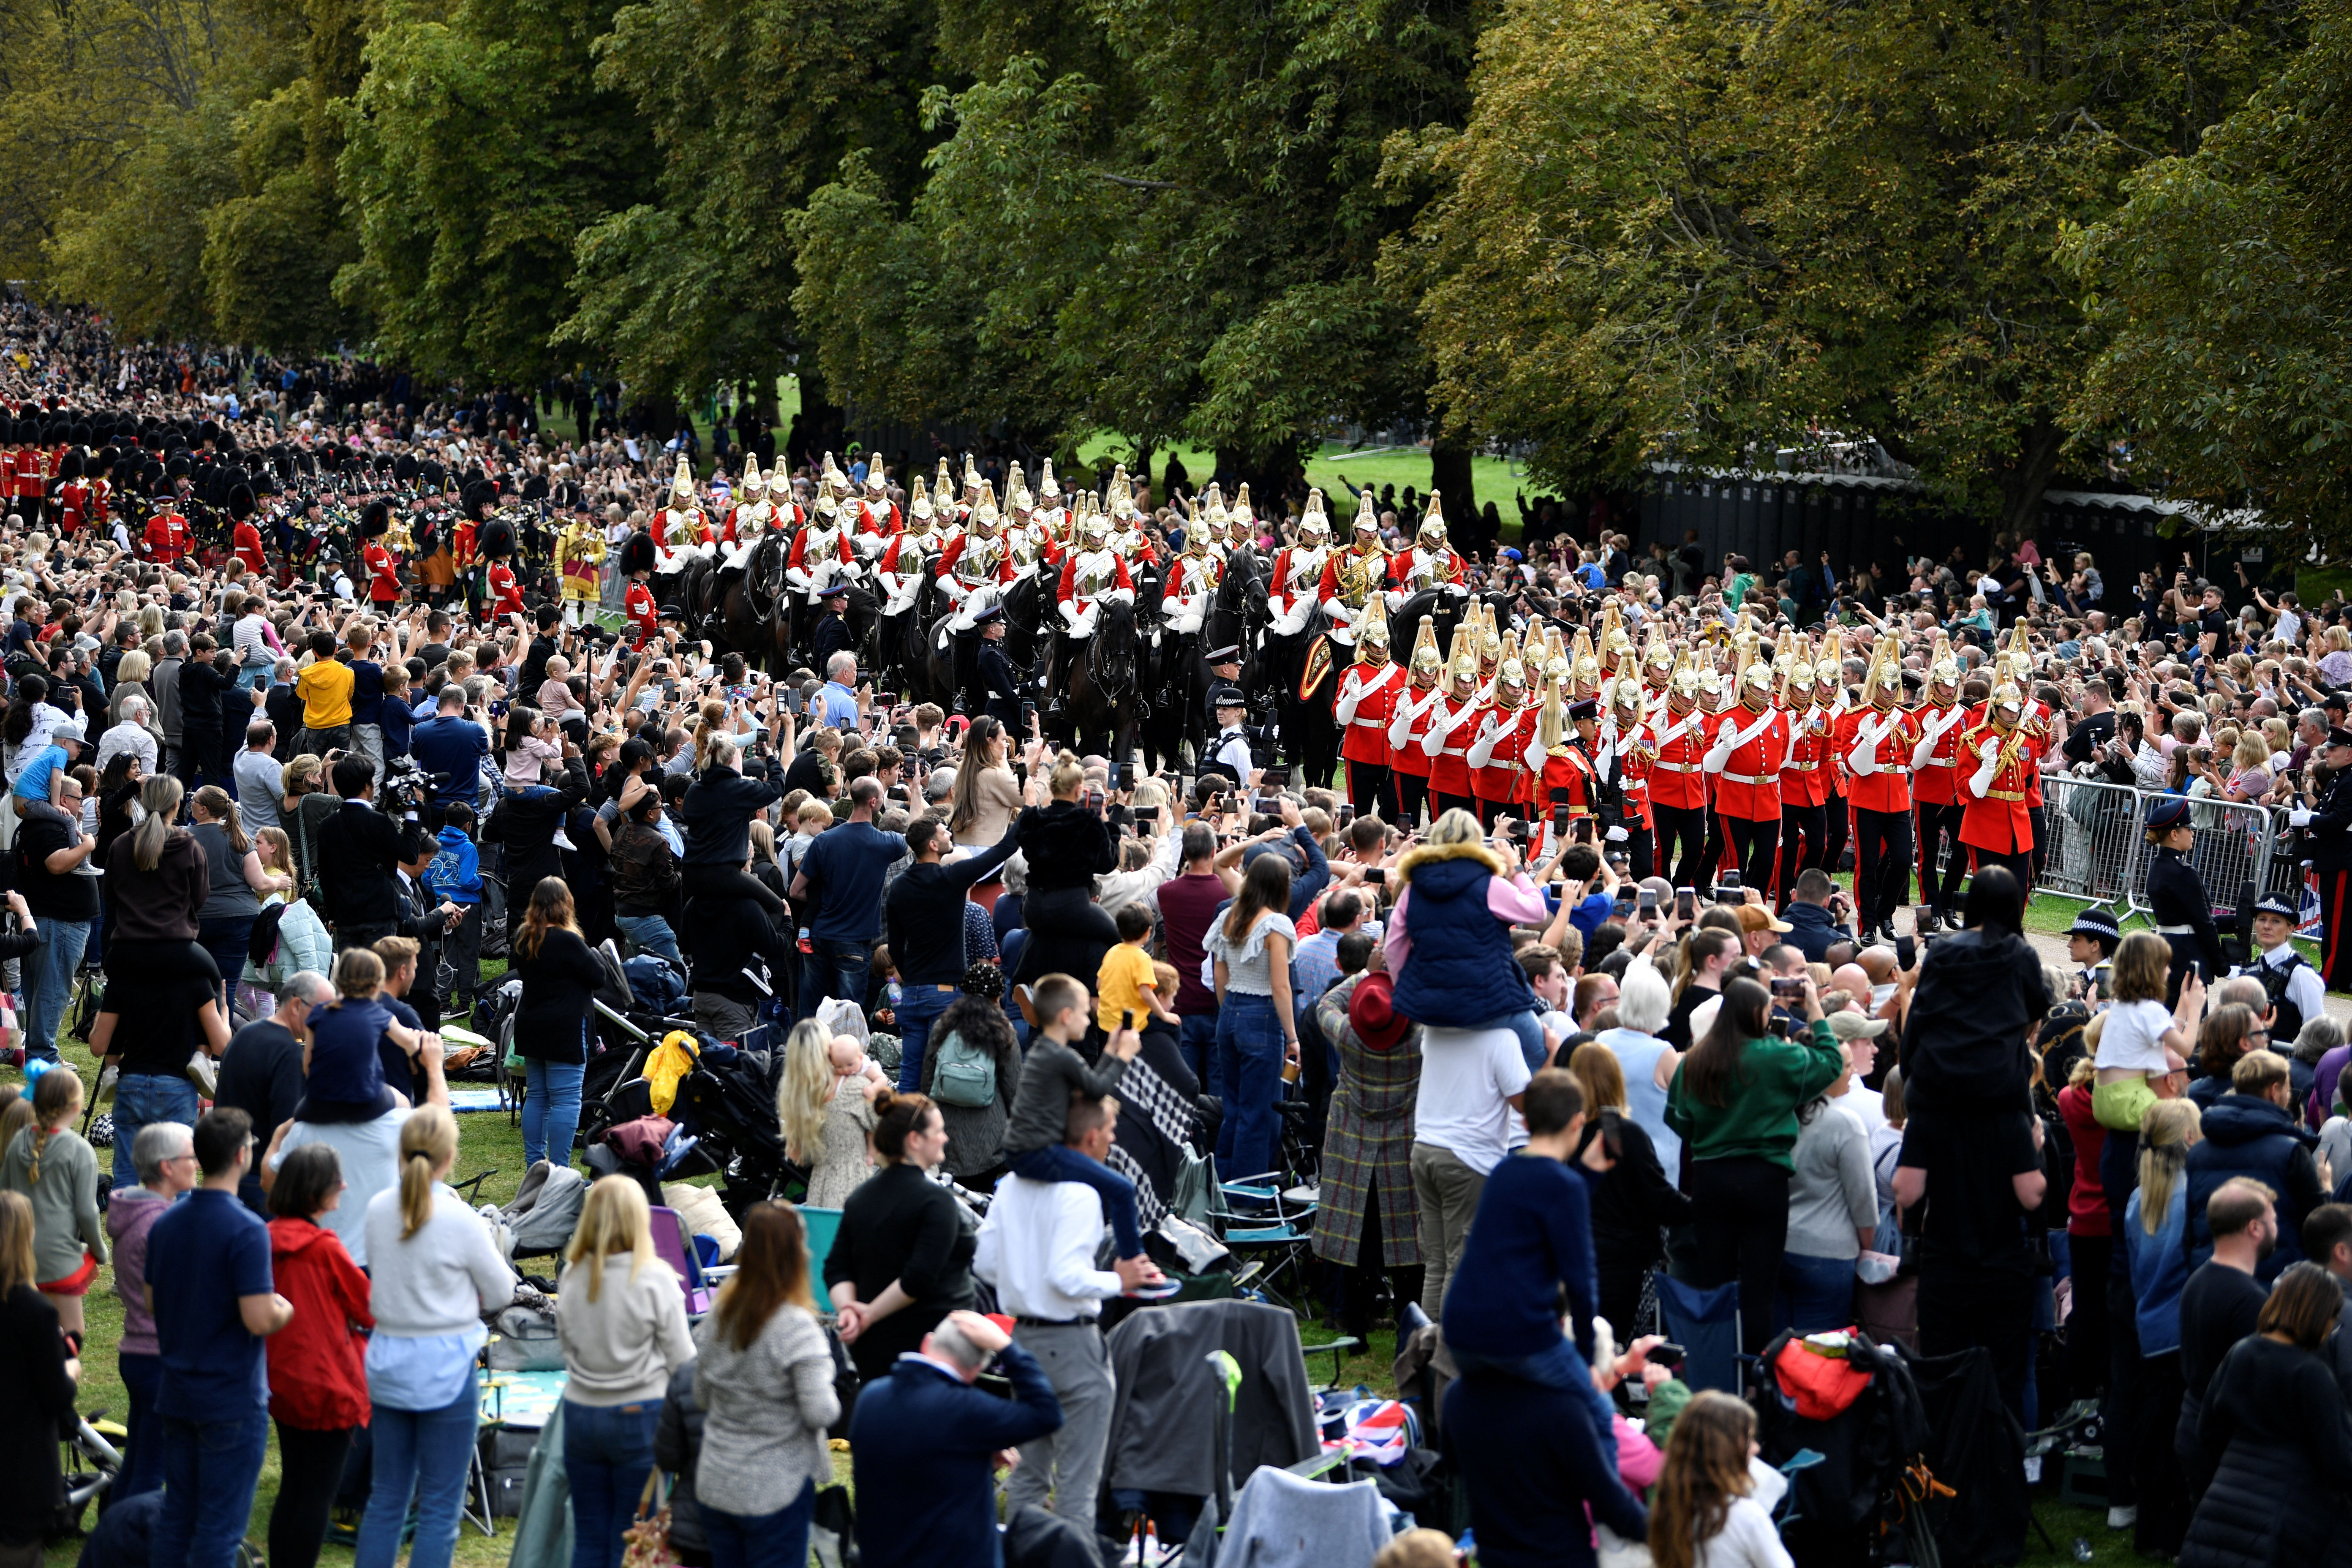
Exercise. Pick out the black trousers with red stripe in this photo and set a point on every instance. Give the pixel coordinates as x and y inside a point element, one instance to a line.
<point>2336,936</point>
<point>1937,823</point>
<point>1804,840</point>
<point>1684,830</point>
<point>1411,789</point>
<point>1882,863</point>
<point>1369,790</point>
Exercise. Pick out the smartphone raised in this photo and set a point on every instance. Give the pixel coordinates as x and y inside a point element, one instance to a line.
<point>1646,901</point>
<point>1685,904</point>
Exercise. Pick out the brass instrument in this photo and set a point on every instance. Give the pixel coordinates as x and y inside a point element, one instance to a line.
<point>1357,575</point>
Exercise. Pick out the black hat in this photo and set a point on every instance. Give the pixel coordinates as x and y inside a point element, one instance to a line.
<point>2278,904</point>
<point>1228,696</point>
<point>375,520</point>
<point>240,501</point>
<point>1582,708</point>
<point>1223,654</point>
<point>498,539</point>
<point>993,613</point>
<point>480,496</point>
<point>2096,921</point>
<point>636,553</point>
<point>2169,811</point>
<point>2337,735</point>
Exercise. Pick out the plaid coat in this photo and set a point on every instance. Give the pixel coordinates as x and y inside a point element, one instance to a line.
<point>1367,1143</point>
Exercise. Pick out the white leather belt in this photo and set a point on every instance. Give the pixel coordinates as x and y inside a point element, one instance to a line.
<point>1666,767</point>
<point>1370,723</point>
<point>1751,778</point>
<point>2177,931</point>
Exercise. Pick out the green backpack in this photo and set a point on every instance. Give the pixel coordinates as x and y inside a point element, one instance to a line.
<point>966,1074</point>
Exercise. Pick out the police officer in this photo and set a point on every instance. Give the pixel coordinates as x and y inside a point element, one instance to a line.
<point>2331,856</point>
<point>1229,754</point>
<point>2176,894</point>
<point>1001,687</point>
<point>2296,995</point>
<point>832,634</point>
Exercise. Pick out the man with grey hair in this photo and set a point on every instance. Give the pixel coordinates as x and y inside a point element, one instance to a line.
<point>261,1071</point>
<point>926,1439</point>
<point>2310,735</point>
<point>835,702</point>
<point>164,1156</point>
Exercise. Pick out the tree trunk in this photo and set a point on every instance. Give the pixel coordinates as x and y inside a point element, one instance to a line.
<point>1449,476</point>
<point>2021,486</point>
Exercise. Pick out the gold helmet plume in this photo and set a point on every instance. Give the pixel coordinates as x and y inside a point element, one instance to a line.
<point>972,479</point>
<point>681,484</point>
<point>944,486</point>
<point>1659,658</point>
<point>1490,642</point>
<point>1616,643</point>
<point>918,505</point>
<point>1242,504</point>
<point>1461,662</point>
<point>1584,668</point>
<point>1551,725</point>
<point>875,478</point>
<point>1427,661</point>
<point>753,484</point>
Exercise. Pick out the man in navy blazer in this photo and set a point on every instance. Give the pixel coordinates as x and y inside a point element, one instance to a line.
<point>924,1443</point>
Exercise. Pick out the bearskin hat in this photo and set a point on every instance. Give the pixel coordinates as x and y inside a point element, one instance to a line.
<point>73,467</point>
<point>498,540</point>
<point>637,554</point>
<point>375,520</point>
<point>240,501</point>
<point>480,496</point>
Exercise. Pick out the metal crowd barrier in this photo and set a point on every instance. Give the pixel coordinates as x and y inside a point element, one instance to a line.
<point>2095,848</point>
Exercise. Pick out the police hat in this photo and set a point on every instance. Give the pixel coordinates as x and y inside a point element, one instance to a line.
<point>993,613</point>
<point>2280,905</point>
<point>2339,736</point>
<point>1225,654</point>
<point>2096,921</point>
<point>838,591</point>
<point>2167,813</point>
<point>1228,696</point>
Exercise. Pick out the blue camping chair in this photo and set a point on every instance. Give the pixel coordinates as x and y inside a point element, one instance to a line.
<point>1706,1323</point>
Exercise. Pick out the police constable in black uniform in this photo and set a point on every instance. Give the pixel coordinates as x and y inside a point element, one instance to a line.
<point>2295,993</point>
<point>832,634</point>
<point>1229,754</point>
<point>2330,842</point>
<point>1001,687</point>
<point>2175,894</point>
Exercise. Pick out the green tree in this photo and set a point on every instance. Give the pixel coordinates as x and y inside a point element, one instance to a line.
<point>479,147</point>
<point>2225,308</point>
<point>1705,233</point>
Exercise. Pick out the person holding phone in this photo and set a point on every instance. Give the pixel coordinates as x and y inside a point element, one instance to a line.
<point>1064,845</point>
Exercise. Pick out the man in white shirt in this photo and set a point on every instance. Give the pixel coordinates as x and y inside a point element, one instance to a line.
<point>1471,1082</point>
<point>369,1152</point>
<point>1037,1248</point>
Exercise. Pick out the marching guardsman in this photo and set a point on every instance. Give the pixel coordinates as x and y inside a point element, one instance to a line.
<point>1875,743</point>
<point>498,545</point>
<point>1680,738</point>
<point>1297,569</point>
<point>1657,672</point>
<point>1191,584</point>
<point>2330,846</point>
<point>1352,585</point>
<point>243,539</point>
<point>875,520</point>
<point>73,493</point>
<point>1446,734</point>
<point>2295,991</point>
<point>579,551</point>
<point>376,557</point>
<point>900,573</point>
<point>638,567</point>
<point>1935,785</point>
<point>1430,564</point>
<point>1621,764</point>
<point>1751,745</point>
<point>1500,735</point>
<point>1365,703</point>
<point>1996,762</point>
<point>2042,727</point>
<point>1567,781</point>
<point>1804,820</point>
<point>166,536</point>
<point>1409,722</point>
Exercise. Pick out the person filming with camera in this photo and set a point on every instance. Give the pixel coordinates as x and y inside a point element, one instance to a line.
<point>360,850</point>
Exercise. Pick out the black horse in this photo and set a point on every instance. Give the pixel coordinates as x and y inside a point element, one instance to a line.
<point>1445,607</point>
<point>1309,735</point>
<point>1179,680</point>
<point>1105,698</point>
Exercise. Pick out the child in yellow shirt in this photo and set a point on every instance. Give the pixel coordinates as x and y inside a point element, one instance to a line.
<point>1125,981</point>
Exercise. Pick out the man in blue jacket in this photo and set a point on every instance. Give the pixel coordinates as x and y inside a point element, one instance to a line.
<point>923,1443</point>
<point>451,747</point>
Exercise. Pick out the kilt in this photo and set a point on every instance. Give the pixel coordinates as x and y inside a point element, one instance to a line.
<point>1367,1143</point>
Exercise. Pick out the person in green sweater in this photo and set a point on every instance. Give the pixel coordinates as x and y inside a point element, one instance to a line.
<point>1734,1099</point>
<point>57,1172</point>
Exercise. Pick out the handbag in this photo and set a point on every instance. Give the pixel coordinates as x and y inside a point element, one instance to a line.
<point>646,1542</point>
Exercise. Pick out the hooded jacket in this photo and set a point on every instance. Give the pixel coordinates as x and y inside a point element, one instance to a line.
<point>130,1214</point>
<point>317,1379</point>
<point>2246,1135</point>
<point>1461,973</point>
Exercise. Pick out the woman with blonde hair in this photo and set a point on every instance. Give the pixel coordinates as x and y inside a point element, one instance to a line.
<point>763,1378</point>
<point>435,1272</point>
<point>156,882</point>
<point>825,1104</point>
<point>620,1314</point>
<point>2155,1232</point>
<point>560,976</point>
<point>56,1172</point>
<point>36,1384</point>
<point>302,940</point>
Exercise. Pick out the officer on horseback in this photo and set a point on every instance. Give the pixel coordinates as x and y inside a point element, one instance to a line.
<point>1092,575</point>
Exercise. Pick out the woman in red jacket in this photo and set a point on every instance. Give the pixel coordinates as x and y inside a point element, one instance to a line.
<point>318,1386</point>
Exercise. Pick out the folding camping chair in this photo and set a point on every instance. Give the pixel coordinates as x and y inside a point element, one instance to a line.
<point>1271,1233</point>
<point>1706,1323</point>
<point>674,1247</point>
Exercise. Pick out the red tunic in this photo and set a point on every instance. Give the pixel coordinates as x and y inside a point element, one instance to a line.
<point>1997,823</point>
<point>1749,788</point>
<point>247,541</point>
<point>1504,780</point>
<point>167,536</point>
<point>1801,781</point>
<point>506,593</point>
<point>1633,773</point>
<point>1677,779</point>
<point>1410,759</point>
<point>1367,741</point>
<point>384,573</point>
<point>1449,772</point>
<point>1933,781</point>
<point>643,618</point>
<point>1889,787</point>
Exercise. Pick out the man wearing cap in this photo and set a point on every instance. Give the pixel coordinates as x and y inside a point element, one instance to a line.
<point>832,634</point>
<point>2090,943</point>
<point>999,685</point>
<point>2293,988</point>
<point>2330,841</point>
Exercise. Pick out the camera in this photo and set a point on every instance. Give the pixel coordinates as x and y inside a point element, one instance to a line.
<point>406,786</point>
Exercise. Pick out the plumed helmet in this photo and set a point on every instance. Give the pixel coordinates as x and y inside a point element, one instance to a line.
<point>1426,660</point>
<point>1241,509</point>
<point>1314,529</point>
<point>376,519</point>
<point>920,505</point>
<point>636,553</point>
<point>1367,520</point>
<point>1047,486</point>
<point>1433,526</point>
